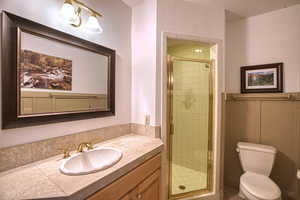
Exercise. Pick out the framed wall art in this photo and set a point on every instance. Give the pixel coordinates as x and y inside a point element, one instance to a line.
<point>267,78</point>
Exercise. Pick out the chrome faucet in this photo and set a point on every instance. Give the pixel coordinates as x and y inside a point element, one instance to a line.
<point>83,145</point>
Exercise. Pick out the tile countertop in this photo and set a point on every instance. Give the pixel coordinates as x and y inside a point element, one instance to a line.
<point>43,180</point>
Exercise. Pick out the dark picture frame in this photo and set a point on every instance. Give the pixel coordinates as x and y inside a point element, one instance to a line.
<point>266,78</point>
<point>12,25</point>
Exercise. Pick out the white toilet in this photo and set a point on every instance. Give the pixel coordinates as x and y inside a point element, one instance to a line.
<point>257,161</point>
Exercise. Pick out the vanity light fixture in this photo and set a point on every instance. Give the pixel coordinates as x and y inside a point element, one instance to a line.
<point>71,13</point>
<point>93,25</point>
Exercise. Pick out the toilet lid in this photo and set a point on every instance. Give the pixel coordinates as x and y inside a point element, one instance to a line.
<point>260,186</point>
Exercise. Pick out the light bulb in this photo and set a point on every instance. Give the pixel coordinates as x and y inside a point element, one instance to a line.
<point>93,25</point>
<point>198,50</point>
<point>68,13</point>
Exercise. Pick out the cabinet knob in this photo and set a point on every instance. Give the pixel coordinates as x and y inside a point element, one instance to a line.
<point>139,196</point>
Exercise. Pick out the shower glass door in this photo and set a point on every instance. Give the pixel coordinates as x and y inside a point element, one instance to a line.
<point>190,123</point>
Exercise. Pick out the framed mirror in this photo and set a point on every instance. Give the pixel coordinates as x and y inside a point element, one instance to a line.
<point>50,76</point>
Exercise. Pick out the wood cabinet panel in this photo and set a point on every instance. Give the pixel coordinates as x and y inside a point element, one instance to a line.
<point>98,103</point>
<point>242,120</point>
<point>142,182</point>
<point>42,105</point>
<point>297,109</point>
<point>26,106</point>
<point>126,197</point>
<point>63,105</point>
<point>149,189</point>
<point>278,128</point>
<point>48,102</point>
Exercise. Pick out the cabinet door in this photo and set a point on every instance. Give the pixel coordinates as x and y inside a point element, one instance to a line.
<point>127,187</point>
<point>126,197</point>
<point>149,188</point>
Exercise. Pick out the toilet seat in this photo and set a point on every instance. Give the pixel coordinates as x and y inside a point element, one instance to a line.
<point>260,187</point>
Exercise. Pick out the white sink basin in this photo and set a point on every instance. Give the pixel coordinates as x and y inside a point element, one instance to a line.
<point>90,161</point>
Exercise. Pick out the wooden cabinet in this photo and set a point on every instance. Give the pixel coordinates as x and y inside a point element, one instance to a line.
<point>149,189</point>
<point>142,183</point>
<point>126,197</point>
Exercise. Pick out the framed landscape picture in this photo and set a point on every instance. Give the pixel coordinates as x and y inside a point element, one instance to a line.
<point>266,78</point>
<point>44,71</point>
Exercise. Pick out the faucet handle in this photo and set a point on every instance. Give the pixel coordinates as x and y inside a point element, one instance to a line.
<point>66,150</point>
<point>66,153</point>
<point>89,145</point>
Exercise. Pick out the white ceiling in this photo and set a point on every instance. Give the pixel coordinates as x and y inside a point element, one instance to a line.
<point>131,2</point>
<point>237,9</point>
<point>247,8</point>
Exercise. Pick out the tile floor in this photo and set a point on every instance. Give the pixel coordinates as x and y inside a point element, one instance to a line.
<point>231,194</point>
<point>191,179</point>
<point>195,180</point>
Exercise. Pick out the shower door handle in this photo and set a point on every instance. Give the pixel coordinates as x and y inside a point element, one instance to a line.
<point>171,129</point>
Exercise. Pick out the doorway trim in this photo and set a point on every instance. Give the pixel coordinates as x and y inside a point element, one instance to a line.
<point>217,188</point>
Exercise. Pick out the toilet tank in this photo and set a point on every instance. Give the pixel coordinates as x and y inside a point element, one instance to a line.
<point>256,158</point>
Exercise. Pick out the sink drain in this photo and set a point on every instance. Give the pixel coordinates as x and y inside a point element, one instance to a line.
<point>182,187</point>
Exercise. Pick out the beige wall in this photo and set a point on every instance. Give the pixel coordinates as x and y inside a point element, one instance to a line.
<point>116,35</point>
<point>267,38</point>
<point>188,20</point>
<point>144,61</point>
<point>267,122</point>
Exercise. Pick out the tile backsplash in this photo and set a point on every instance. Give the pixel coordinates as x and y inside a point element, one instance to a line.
<point>15,156</point>
<point>151,131</point>
<point>23,154</point>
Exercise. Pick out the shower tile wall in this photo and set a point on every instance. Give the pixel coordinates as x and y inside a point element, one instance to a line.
<point>190,112</point>
<point>188,51</point>
<point>190,108</point>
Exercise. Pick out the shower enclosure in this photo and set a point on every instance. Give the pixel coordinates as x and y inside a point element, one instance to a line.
<point>190,121</point>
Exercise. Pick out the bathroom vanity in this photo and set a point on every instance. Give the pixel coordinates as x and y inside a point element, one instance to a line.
<point>140,183</point>
<point>135,176</point>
